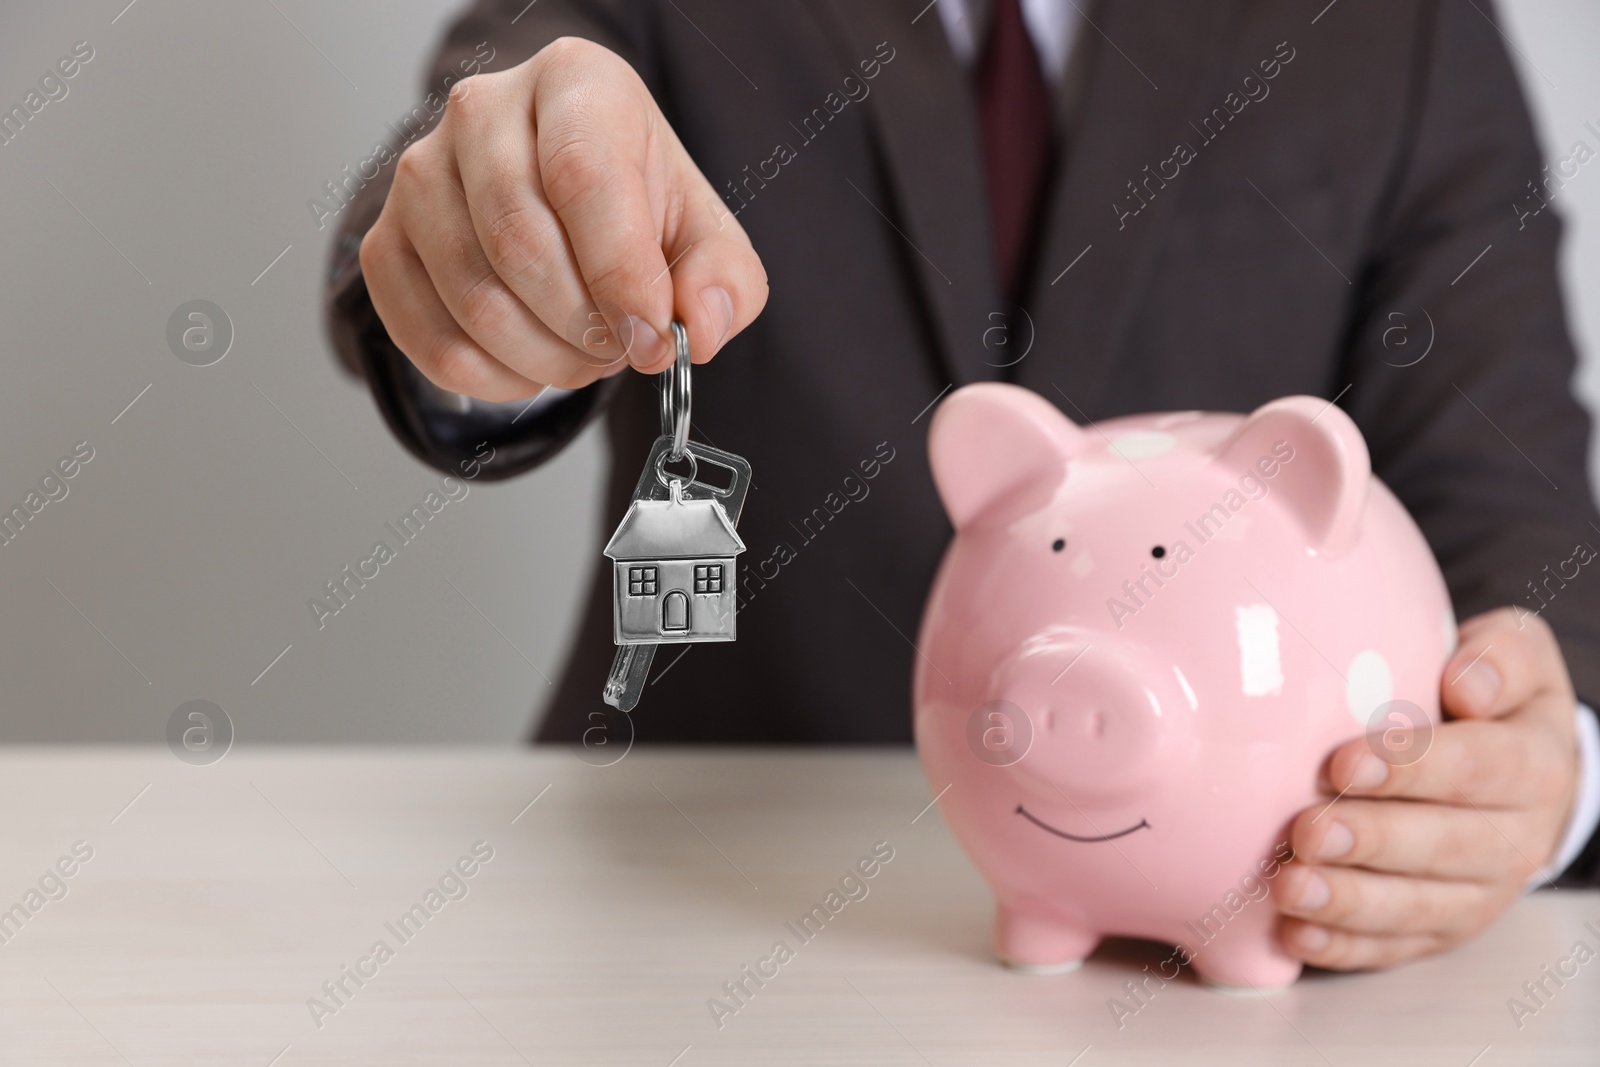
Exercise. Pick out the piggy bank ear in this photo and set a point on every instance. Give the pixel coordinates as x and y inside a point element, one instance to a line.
<point>998,451</point>
<point>1318,462</point>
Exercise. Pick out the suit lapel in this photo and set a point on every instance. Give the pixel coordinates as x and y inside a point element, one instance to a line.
<point>1165,69</point>
<point>926,125</point>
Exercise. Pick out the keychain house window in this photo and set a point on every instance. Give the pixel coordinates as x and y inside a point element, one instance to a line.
<point>708,578</point>
<point>641,581</point>
<point>670,561</point>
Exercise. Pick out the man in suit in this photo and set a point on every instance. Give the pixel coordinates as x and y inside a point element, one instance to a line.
<point>1137,207</point>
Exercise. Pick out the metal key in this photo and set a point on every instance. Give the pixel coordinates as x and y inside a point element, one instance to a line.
<point>631,666</point>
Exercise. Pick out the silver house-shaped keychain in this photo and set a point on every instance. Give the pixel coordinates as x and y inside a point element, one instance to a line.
<point>672,572</point>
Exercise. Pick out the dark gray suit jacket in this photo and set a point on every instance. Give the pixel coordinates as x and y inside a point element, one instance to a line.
<point>1214,238</point>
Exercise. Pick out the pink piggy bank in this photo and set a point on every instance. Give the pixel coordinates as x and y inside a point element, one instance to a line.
<point>1144,640</point>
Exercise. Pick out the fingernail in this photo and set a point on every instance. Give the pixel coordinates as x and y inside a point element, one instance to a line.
<point>1369,774</point>
<point>1336,842</point>
<point>640,341</point>
<point>718,305</point>
<point>1479,685</point>
<point>1314,892</point>
<point>1311,938</point>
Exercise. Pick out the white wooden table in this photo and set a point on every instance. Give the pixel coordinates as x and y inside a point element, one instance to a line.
<point>222,898</point>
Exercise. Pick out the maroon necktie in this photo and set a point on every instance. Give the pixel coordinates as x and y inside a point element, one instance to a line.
<point>1014,113</point>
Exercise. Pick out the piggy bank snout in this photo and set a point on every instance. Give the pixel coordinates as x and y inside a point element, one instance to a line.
<point>1103,724</point>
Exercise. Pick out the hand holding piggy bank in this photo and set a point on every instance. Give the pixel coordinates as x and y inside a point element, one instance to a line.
<point>1142,643</point>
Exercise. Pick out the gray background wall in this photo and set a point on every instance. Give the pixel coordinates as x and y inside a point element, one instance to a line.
<point>180,562</point>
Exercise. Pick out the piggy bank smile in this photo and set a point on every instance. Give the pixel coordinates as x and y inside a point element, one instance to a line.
<point>1047,828</point>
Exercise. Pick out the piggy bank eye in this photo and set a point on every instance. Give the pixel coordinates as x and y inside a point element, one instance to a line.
<point>1058,544</point>
<point>1158,552</point>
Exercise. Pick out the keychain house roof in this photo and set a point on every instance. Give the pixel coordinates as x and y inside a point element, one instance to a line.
<point>673,577</point>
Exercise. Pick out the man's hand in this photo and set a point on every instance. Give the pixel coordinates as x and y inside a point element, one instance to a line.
<point>549,230</point>
<point>1417,858</point>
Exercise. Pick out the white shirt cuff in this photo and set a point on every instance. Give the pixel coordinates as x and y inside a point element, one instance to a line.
<point>507,413</point>
<point>1586,807</point>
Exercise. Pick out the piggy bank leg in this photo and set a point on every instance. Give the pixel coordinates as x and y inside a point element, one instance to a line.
<point>1244,956</point>
<point>1039,940</point>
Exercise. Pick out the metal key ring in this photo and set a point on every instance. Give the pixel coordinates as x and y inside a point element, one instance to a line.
<point>676,395</point>
<point>667,479</point>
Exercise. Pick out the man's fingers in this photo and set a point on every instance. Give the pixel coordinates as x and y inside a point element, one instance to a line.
<point>1369,902</point>
<point>423,328</point>
<point>1495,763</point>
<point>1417,854</point>
<point>521,237</point>
<point>1502,662</point>
<point>1401,837</point>
<point>438,224</point>
<point>600,164</point>
<point>1340,950</point>
<point>719,284</point>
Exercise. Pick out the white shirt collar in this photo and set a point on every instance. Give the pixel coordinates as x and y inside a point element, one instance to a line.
<point>1052,24</point>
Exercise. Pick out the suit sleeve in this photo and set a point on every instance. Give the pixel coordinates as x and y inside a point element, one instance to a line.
<point>1482,437</point>
<point>491,35</point>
